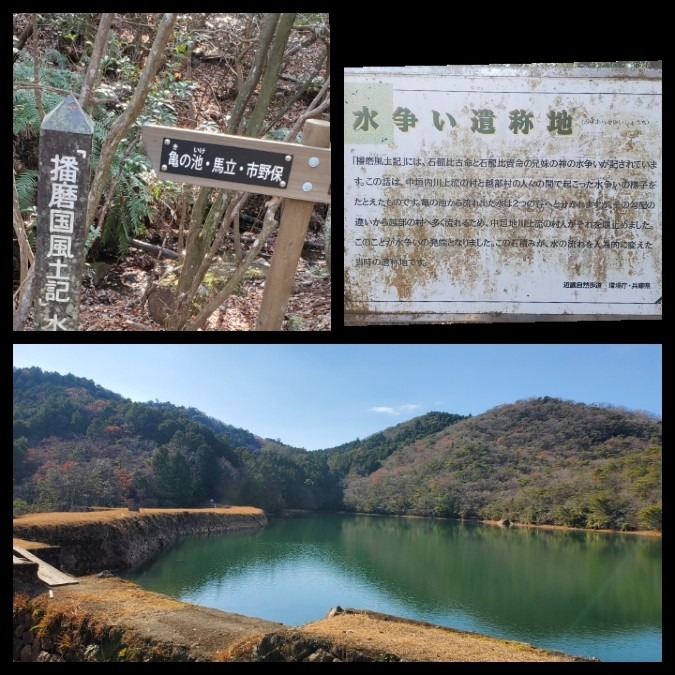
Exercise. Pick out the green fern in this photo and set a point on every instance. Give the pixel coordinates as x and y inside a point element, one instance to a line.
<point>26,188</point>
<point>130,207</point>
<point>26,116</point>
<point>133,199</point>
<point>57,58</point>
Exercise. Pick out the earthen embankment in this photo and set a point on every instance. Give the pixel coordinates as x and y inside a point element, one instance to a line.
<point>109,619</point>
<point>117,539</point>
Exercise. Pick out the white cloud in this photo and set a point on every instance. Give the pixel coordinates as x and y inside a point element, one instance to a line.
<point>388,410</point>
<point>383,409</point>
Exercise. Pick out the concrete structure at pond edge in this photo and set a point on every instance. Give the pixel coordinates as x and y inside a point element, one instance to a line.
<point>104,618</point>
<point>502,194</point>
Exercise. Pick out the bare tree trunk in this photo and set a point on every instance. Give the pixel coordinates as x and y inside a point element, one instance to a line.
<point>326,239</point>
<point>202,232</point>
<point>269,224</point>
<point>93,73</point>
<point>25,34</point>
<point>127,118</point>
<point>25,294</point>
<point>36,62</point>
<point>20,232</point>
<point>271,77</point>
<point>266,35</point>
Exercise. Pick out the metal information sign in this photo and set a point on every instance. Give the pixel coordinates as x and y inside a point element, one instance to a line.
<point>224,162</point>
<point>497,194</point>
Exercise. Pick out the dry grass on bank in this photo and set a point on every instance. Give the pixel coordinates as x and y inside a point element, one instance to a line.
<point>415,641</point>
<point>59,517</point>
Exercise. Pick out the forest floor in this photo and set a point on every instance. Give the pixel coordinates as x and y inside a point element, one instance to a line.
<point>119,301</point>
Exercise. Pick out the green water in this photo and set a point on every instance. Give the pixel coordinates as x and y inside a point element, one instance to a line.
<point>585,593</point>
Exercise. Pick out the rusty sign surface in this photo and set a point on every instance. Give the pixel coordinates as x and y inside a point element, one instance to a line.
<point>492,194</point>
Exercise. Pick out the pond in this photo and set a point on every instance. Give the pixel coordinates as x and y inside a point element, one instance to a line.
<point>584,593</point>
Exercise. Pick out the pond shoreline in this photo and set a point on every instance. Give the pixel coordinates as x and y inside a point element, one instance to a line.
<point>291,513</point>
<point>644,533</point>
<point>109,619</point>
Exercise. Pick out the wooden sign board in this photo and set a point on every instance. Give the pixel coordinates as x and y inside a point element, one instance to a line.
<point>239,163</point>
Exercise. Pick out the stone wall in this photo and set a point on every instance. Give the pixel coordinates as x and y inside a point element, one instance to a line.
<point>126,542</point>
<point>41,634</point>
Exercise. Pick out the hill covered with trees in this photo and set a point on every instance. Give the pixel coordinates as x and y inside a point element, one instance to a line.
<point>543,461</point>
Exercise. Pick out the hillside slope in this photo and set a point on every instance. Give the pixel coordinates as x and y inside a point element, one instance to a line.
<point>538,461</point>
<point>543,461</point>
<point>78,444</point>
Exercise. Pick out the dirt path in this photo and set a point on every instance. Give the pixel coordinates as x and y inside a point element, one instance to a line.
<point>107,515</point>
<point>201,630</point>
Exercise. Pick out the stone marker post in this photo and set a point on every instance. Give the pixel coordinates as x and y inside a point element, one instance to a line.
<point>63,188</point>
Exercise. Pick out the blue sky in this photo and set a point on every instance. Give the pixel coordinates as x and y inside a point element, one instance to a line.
<point>317,396</point>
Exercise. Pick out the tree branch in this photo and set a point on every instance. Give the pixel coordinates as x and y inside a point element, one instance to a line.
<point>25,34</point>
<point>93,73</point>
<point>36,62</point>
<point>126,119</point>
<point>25,251</point>
<point>269,224</point>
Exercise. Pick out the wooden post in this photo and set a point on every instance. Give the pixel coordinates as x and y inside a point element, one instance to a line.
<point>63,189</point>
<point>292,233</point>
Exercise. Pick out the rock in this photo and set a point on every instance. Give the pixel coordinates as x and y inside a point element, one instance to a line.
<point>35,649</point>
<point>335,610</point>
<point>160,303</point>
<point>26,654</point>
<point>97,271</point>
<point>105,574</point>
<point>321,656</point>
<point>504,522</point>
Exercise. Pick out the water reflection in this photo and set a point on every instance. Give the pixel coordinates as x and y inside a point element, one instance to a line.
<point>584,592</point>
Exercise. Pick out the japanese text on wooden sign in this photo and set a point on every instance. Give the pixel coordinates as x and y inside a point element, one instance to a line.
<point>239,163</point>
<point>223,162</point>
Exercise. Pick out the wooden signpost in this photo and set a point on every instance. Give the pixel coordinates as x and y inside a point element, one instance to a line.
<point>240,163</point>
<point>63,190</point>
<point>300,173</point>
